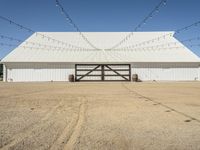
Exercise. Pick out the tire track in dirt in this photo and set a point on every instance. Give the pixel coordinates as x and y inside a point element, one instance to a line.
<point>20,136</point>
<point>78,128</point>
<point>72,131</point>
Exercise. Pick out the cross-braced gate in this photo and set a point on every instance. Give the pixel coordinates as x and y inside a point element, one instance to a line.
<point>102,72</point>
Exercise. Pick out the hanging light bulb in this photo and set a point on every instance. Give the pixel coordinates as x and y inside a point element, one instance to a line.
<point>67,18</point>
<point>57,3</point>
<point>157,10</point>
<point>196,24</point>
<point>21,27</point>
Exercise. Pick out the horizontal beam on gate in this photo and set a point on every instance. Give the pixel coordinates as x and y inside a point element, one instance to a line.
<point>102,64</point>
<point>99,75</point>
<point>103,81</point>
<point>104,70</point>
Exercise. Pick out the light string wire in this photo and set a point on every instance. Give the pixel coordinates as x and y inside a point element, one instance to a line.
<point>39,34</point>
<point>71,22</point>
<point>161,48</point>
<point>178,31</point>
<point>44,48</point>
<point>143,22</point>
<point>34,43</point>
<point>161,45</point>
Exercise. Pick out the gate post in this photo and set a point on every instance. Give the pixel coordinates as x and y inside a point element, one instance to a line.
<point>4,73</point>
<point>129,72</point>
<point>102,73</point>
<point>75,72</point>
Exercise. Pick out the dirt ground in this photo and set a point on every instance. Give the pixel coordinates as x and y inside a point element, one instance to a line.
<point>102,116</point>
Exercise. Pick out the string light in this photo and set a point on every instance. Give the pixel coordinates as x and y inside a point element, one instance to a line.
<point>143,22</point>
<point>162,45</point>
<point>70,21</point>
<point>157,48</point>
<point>44,47</point>
<point>39,44</point>
<point>32,31</point>
<point>178,31</point>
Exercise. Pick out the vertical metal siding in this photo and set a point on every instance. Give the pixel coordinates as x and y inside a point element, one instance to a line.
<point>39,72</point>
<point>26,72</point>
<point>167,72</point>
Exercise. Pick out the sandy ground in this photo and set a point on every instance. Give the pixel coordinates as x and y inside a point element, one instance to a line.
<point>102,116</point>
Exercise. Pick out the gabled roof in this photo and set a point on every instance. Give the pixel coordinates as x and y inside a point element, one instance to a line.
<point>102,40</point>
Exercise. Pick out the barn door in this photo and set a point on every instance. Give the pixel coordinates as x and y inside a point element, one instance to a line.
<point>102,72</point>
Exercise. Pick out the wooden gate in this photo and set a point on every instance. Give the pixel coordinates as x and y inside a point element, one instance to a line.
<point>102,72</point>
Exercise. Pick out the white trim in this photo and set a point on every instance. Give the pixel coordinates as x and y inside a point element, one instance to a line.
<point>199,73</point>
<point>4,73</point>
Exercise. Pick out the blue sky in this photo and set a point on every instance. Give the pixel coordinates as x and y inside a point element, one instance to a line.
<point>98,15</point>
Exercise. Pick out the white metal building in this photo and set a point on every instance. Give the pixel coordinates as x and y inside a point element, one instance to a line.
<point>162,59</point>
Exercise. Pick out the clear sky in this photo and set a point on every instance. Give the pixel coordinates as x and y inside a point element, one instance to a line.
<point>98,15</point>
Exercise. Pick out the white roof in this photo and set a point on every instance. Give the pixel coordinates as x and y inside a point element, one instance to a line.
<point>102,40</point>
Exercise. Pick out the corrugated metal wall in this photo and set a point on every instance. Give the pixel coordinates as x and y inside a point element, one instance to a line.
<point>162,72</point>
<point>27,72</point>
<point>39,72</point>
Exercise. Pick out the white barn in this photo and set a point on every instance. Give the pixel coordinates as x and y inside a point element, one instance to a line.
<point>159,60</point>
